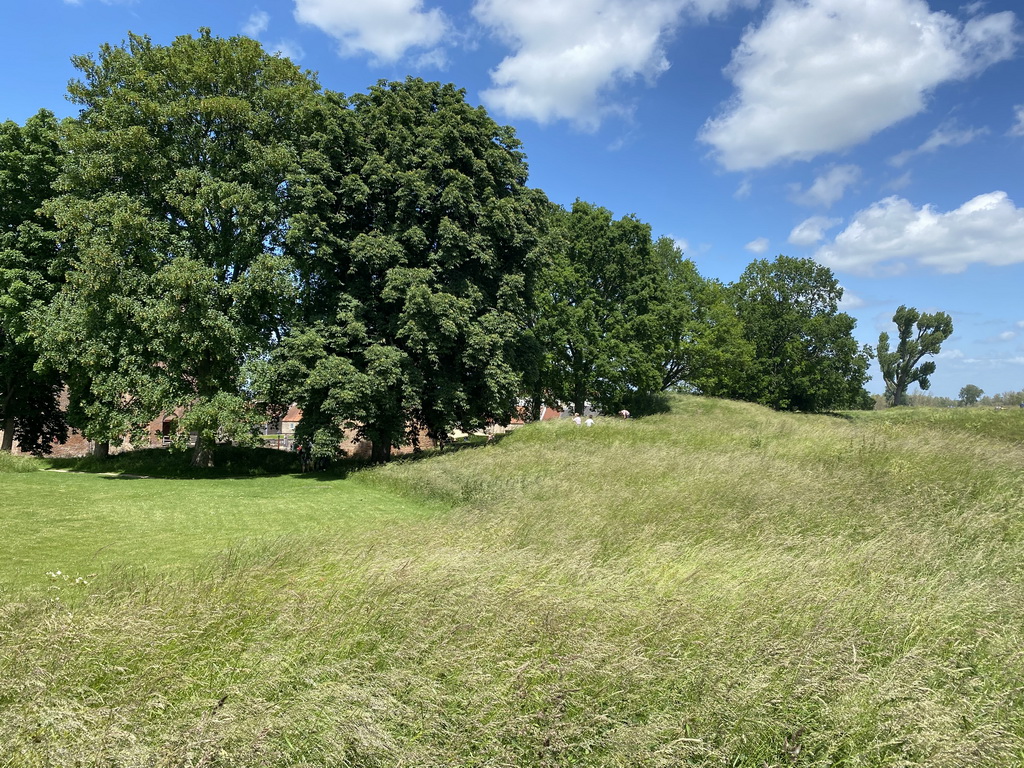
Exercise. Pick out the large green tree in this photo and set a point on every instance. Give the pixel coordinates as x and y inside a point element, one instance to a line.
<point>805,356</point>
<point>415,295</point>
<point>698,334</point>
<point>181,176</point>
<point>920,334</point>
<point>31,268</point>
<point>597,301</point>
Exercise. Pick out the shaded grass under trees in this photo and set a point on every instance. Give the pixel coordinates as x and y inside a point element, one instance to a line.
<point>721,585</point>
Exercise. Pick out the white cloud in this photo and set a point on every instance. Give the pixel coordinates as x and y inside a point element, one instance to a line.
<point>850,301</point>
<point>568,55</point>
<point>1018,126</point>
<point>680,243</point>
<point>1007,335</point>
<point>827,188</point>
<point>1020,323</point>
<point>988,229</point>
<point>743,190</point>
<point>812,230</point>
<point>944,136</point>
<point>287,49</point>
<point>823,75</point>
<point>760,245</point>
<point>384,29</point>
<point>436,58</point>
<point>257,24</point>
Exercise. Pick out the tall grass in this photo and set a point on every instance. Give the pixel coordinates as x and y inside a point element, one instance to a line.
<point>16,464</point>
<point>721,585</point>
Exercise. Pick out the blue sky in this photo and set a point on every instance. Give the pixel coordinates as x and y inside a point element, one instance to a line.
<point>884,138</point>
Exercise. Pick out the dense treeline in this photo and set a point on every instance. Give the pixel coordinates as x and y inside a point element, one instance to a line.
<point>215,232</point>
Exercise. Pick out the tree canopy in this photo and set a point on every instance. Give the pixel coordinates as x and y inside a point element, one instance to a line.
<point>415,295</point>
<point>30,272</point>
<point>176,190</point>
<point>215,237</point>
<point>805,356</point>
<point>920,334</point>
<point>970,394</point>
<point>596,302</point>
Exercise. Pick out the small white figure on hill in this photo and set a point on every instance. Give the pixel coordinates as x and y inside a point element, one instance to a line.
<point>624,413</point>
<point>577,420</point>
<point>589,422</point>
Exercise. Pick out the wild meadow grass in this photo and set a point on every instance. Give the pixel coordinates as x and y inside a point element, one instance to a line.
<point>721,585</point>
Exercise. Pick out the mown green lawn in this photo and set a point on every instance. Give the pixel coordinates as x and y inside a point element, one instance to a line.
<point>80,524</point>
<point>720,586</point>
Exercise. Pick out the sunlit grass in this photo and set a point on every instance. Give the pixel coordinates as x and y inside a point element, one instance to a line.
<point>721,585</point>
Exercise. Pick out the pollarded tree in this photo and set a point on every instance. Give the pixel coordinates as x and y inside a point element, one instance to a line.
<point>177,191</point>
<point>415,295</point>
<point>597,309</point>
<point>805,356</point>
<point>31,269</point>
<point>920,334</point>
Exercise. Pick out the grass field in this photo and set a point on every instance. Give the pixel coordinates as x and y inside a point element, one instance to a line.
<point>721,585</point>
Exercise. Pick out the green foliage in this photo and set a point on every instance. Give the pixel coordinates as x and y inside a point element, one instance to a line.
<point>702,346</point>
<point>30,273</point>
<point>805,356</point>
<point>900,366</point>
<point>176,192</point>
<point>1004,399</point>
<point>970,394</point>
<point>596,309</point>
<point>414,298</point>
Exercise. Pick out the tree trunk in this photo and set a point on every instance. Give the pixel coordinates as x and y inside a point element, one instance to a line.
<point>101,449</point>
<point>202,454</point>
<point>8,444</point>
<point>380,451</point>
<point>580,399</point>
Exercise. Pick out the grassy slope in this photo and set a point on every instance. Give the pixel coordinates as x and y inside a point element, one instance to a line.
<point>722,585</point>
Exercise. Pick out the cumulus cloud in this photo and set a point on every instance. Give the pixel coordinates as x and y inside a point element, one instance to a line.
<point>760,245</point>
<point>1018,126</point>
<point>945,135</point>
<point>888,235</point>
<point>827,188</point>
<point>811,231</point>
<point>569,55</point>
<point>287,49</point>
<point>823,75</point>
<point>1007,335</point>
<point>257,24</point>
<point>384,29</point>
<point>850,301</point>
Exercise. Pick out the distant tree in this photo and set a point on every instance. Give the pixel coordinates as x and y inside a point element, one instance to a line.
<point>919,335</point>
<point>805,356</point>
<point>415,296</point>
<point>699,338</point>
<point>969,394</point>
<point>31,270</point>
<point>1012,399</point>
<point>180,178</point>
<point>597,304</point>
